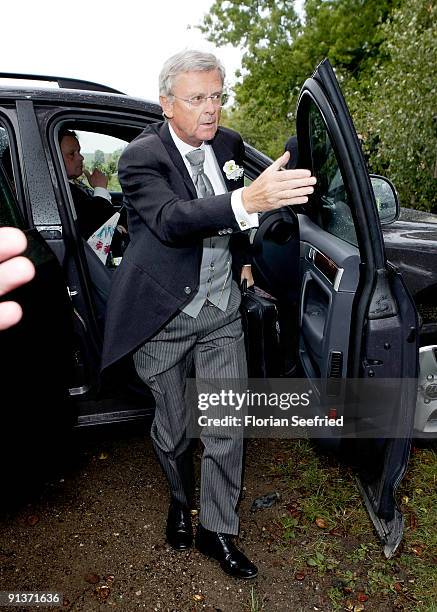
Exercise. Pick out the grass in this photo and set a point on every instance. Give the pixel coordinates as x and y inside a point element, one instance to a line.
<point>336,597</point>
<point>329,533</point>
<point>256,602</point>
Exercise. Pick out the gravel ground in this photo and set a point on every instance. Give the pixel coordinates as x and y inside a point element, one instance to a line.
<point>95,533</point>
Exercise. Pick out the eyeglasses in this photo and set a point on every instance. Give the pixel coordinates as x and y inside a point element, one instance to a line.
<point>217,99</point>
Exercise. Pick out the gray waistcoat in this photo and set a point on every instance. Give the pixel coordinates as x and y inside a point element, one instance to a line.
<point>215,276</point>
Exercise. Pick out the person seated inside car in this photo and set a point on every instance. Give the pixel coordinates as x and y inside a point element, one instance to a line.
<point>93,206</point>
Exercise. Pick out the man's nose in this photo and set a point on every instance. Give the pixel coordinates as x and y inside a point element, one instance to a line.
<point>210,108</point>
<point>81,157</point>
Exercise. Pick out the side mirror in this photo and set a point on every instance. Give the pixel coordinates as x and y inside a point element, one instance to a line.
<point>386,199</point>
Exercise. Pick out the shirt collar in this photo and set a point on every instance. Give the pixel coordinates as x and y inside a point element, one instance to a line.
<point>182,146</point>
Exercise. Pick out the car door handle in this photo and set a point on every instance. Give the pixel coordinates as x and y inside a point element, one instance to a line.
<point>50,233</point>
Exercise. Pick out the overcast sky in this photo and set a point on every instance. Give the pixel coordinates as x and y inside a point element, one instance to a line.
<point>119,43</point>
<point>122,43</point>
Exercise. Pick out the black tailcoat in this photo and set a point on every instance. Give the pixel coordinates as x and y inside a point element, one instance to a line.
<point>159,273</point>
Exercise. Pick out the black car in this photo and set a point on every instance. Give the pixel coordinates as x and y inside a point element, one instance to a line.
<point>410,244</point>
<point>344,311</point>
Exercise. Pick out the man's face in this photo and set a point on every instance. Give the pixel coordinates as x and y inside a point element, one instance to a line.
<point>73,160</point>
<point>192,124</point>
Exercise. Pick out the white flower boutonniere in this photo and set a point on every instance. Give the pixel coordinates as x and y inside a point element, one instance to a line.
<point>232,171</point>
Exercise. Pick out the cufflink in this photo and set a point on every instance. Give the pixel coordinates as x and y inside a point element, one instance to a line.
<point>243,224</point>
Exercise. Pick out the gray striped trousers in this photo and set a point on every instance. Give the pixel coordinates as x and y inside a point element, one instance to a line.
<point>214,343</point>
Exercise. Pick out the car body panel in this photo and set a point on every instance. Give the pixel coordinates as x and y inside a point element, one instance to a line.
<point>411,247</point>
<point>36,361</point>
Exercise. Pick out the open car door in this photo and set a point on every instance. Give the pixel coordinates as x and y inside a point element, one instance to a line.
<point>36,362</point>
<point>353,316</point>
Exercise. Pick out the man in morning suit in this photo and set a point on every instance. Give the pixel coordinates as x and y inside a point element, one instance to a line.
<point>174,302</point>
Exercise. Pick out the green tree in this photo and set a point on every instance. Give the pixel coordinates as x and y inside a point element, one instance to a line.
<point>99,159</point>
<point>280,52</point>
<point>396,106</point>
<point>265,31</point>
<point>110,169</point>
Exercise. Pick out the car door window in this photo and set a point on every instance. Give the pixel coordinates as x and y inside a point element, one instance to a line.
<point>103,152</point>
<point>333,206</point>
<point>9,211</point>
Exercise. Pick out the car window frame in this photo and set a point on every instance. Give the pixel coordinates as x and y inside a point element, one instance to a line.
<point>15,218</point>
<point>9,121</point>
<point>71,251</point>
<point>324,196</point>
<point>52,127</point>
<point>365,216</point>
<point>39,183</point>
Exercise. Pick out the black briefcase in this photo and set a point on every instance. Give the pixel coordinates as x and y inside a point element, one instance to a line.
<point>259,316</point>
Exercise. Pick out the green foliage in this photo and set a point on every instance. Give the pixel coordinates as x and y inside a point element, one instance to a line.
<point>265,30</point>
<point>99,159</point>
<point>280,53</point>
<point>383,52</point>
<point>260,127</point>
<point>350,558</point>
<point>318,499</point>
<point>360,553</point>
<point>321,562</point>
<point>106,163</point>
<point>343,30</point>
<point>290,526</point>
<point>396,109</point>
<point>336,597</point>
<point>253,24</point>
<point>379,580</point>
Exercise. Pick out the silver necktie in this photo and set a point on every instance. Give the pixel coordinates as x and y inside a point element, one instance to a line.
<point>201,181</point>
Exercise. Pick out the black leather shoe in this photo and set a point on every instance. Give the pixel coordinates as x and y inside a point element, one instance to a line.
<point>221,547</point>
<point>179,529</point>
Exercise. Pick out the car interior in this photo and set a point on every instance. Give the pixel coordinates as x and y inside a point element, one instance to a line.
<point>114,138</point>
<point>118,394</point>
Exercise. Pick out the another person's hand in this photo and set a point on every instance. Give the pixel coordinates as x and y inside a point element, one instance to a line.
<point>14,271</point>
<point>275,187</point>
<point>97,178</point>
<point>246,274</point>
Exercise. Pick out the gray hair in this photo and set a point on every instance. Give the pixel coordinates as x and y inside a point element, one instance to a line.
<point>188,60</point>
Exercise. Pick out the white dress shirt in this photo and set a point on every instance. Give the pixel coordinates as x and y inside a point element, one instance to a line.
<point>101,192</point>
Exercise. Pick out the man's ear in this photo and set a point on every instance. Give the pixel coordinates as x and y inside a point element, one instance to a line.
<point>167,106</point>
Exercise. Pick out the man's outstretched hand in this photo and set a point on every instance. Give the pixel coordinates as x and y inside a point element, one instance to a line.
<point>276,187</point>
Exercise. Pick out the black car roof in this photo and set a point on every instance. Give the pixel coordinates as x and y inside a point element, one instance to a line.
<point>77,96</point>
